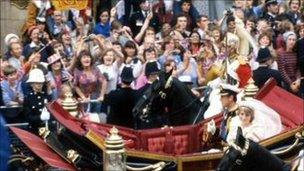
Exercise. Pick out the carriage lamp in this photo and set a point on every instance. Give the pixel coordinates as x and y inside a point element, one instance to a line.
<point>250,90</point>
<point>114,155</point>
<point>70,104</point>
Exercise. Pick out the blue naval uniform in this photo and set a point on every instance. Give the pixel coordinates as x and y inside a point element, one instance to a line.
<point>225,125</point>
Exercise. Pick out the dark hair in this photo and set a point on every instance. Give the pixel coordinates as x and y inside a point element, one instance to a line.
<point>230,18</point>
<point>174,21</point>
<point>104,54</point>
<point>129,44</point>
<point>199,18</point>
<point>251,19</point>
<point>81,54</point>
<point>151,49</point>
<point>196,32</point>
<point>9,69</point>
<point>267,34</point>
<point>116,43</point>
<point>186,1</point>
<point>234,95</point>
<point>104,10</point>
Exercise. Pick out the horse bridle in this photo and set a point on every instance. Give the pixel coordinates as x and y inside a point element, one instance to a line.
<point>238,148</point>
<point>162,94</point>
<point>242,151</point>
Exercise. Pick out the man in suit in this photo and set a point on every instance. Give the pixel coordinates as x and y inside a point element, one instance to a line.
<point>138,18</point>
<point>122,101</point>
<point>264,72</point>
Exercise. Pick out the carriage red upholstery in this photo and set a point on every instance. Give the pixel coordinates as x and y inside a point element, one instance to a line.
<point>289,106</point>
<point>153,140</point>
<point>185,139</point>
<point>173,140</point>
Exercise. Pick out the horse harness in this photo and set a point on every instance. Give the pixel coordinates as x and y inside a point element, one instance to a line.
<point>145,111</point>
<point>243,151</point>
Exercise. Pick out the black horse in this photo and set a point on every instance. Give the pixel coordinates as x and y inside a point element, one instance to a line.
<point>169,102</point>
<point>248,155</point>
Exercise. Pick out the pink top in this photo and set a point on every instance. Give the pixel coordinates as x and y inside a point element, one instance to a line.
<point>141,81</point>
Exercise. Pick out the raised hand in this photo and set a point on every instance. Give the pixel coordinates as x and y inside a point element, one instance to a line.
<point>113,12</point>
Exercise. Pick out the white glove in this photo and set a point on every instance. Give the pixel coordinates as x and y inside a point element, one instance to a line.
<point>45,114</point>
<point>211,128</point>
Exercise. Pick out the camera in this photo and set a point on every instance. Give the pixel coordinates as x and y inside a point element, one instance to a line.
<point>229,12</point>
<point>88,38</point>
<point>42,38</point>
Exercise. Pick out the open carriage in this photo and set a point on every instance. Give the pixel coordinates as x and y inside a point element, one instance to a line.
<point>184,147</point>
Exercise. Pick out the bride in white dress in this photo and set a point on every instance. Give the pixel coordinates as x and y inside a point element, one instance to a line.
<point>257,120</point>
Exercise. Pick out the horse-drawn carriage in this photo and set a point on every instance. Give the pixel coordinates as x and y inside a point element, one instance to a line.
<point>181,147</point>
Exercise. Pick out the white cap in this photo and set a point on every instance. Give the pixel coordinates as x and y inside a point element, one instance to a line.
<point>8,37</point>
<point>225,88</point>
<point>287,34</point>
<point>185,79</point>
<point>36,76</point>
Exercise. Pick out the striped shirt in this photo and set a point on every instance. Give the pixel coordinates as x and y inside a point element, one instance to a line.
<point>288,66</point>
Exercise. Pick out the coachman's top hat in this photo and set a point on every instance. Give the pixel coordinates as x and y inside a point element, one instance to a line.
<point>263,55</point>
<point>127,74</point>
<point>152,67</point>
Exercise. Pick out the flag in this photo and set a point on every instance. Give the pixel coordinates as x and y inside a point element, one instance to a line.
<point>67,4</point>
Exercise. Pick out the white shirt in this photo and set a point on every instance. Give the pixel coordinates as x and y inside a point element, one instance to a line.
<point>113,73</point>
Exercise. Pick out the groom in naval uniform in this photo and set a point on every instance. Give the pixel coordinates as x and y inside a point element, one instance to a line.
<point>228,95</point>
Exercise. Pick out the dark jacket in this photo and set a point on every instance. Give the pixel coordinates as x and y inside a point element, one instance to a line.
<point>156,117</point>
<point>32,108</point>
<point>269,18</point>
<point>263,73</point>
<point>45,53</point>
<point>293,17</point>
<point>137,20</point>
<point>121,103</point>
